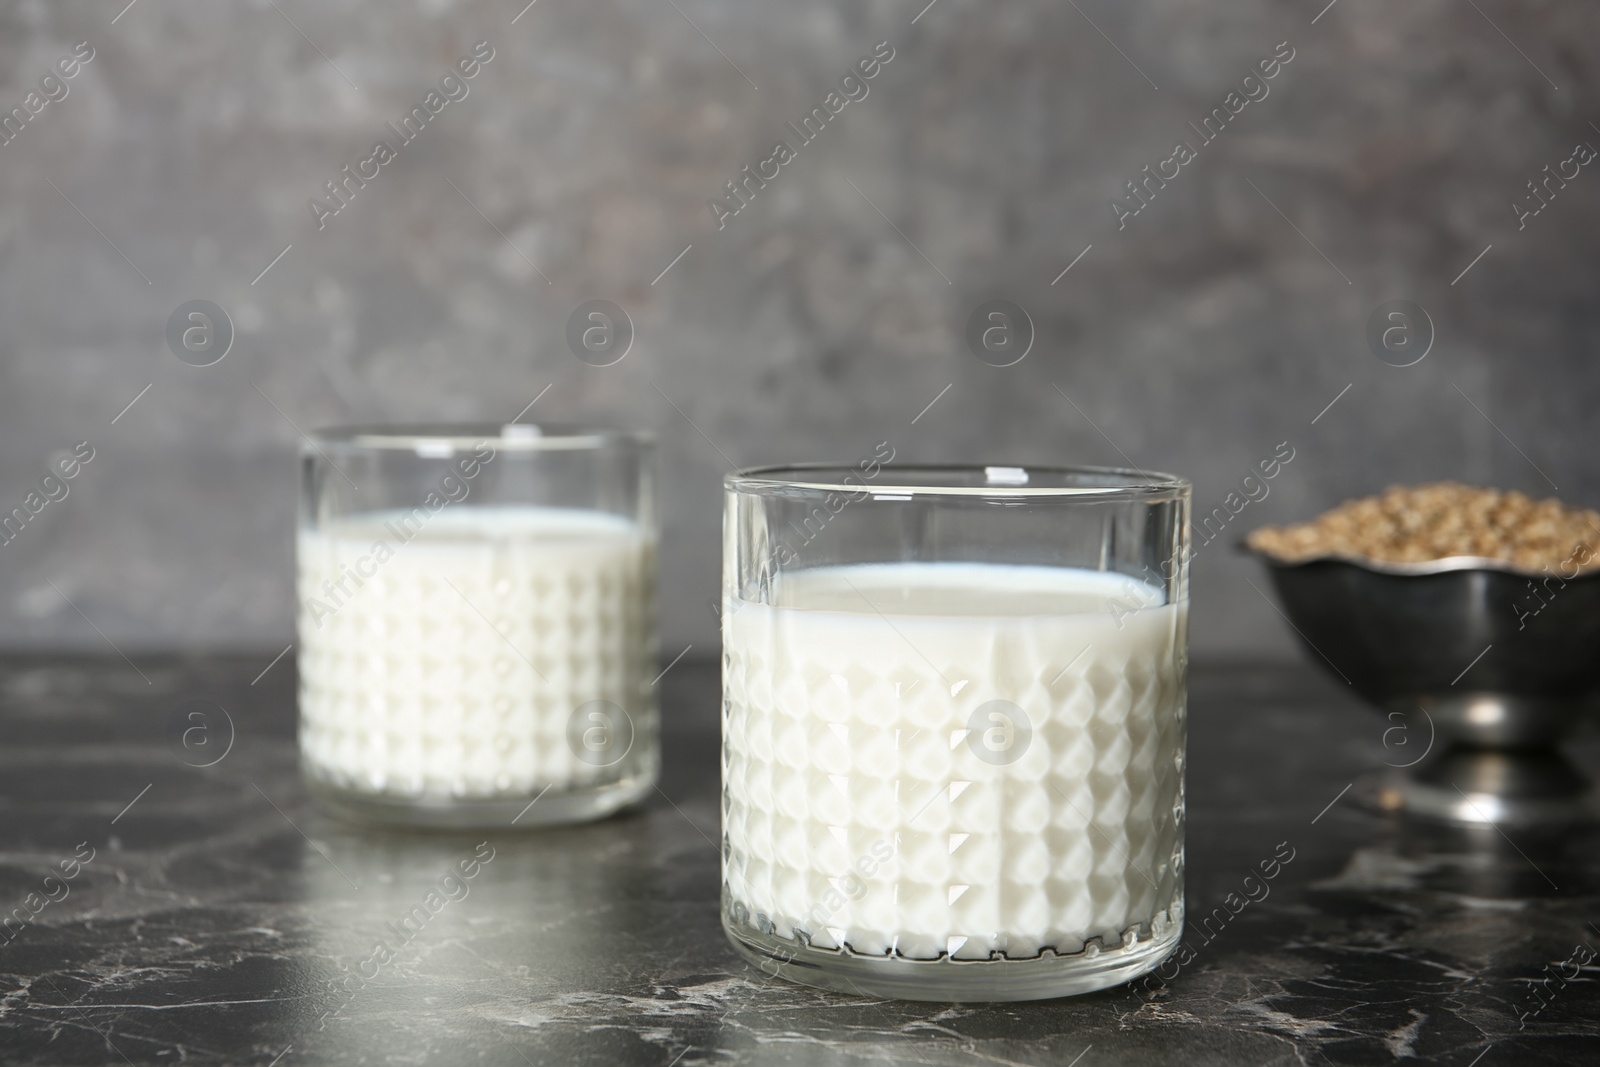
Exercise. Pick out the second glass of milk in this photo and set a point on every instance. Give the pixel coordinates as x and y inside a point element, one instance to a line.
<point>954,727</point>
<point>477,623</point>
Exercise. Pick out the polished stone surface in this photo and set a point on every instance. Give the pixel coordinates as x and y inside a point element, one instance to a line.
<point>222,916</point>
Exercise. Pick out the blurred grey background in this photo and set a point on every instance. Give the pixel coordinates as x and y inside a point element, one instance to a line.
<point>1220,321</point>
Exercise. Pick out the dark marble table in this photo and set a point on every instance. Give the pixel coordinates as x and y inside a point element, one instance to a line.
<point>223,919</point>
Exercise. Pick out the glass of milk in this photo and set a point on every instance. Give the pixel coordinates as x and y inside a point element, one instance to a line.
<point>477,623</point>
<point>954,726</point>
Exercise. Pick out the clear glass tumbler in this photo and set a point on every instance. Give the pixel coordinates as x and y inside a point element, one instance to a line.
<point>477,623</point>
<point>954,726</point>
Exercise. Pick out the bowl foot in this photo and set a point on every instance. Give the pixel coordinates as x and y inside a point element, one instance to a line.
<point>1500,787</point>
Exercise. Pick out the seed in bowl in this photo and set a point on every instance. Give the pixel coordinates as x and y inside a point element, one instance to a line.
<point>1419,524</point>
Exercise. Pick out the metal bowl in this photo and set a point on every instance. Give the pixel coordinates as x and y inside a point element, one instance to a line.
<point>1500,664</point>
<point>1496,658</point>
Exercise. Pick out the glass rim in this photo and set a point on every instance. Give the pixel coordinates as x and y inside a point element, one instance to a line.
<point>424,437</point>
<point>913,480</point>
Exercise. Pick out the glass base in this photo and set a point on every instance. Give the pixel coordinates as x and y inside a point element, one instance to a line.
<point>950,980</point>
<point>552,808</point>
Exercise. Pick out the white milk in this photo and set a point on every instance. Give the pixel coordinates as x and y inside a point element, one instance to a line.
<point>408,690</point>
<point>858,811</point>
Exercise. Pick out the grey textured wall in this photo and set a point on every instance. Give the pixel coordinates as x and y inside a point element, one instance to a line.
<point>1218,322</point>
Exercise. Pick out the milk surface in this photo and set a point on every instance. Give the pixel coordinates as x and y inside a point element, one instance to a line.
<point>859,809</point>
<point>452,663</point>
